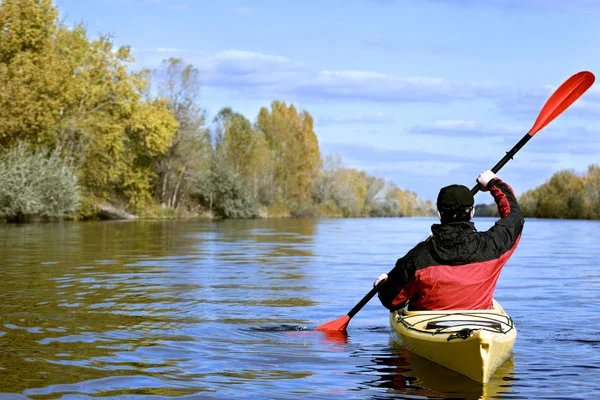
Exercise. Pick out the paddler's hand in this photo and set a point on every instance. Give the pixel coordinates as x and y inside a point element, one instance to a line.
<point>484,178</point>
<point>380,279</point>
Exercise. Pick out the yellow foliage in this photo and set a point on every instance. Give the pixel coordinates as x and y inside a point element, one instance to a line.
<point>565,195</point>
<point>60,89</point>
<point>152,126</point>
<point>293,143</point>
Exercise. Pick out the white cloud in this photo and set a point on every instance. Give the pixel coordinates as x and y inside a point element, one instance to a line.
<point>264,75</point>
<point>237,69</point>
<point>373,86</point>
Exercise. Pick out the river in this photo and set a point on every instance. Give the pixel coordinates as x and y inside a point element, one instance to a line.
<point>226,310</point>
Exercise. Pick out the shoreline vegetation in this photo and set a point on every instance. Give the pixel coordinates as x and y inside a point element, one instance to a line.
<point>83,137</point>
<point>567,195</point>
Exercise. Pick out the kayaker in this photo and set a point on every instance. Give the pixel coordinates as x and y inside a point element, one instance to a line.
<point>457,267</point>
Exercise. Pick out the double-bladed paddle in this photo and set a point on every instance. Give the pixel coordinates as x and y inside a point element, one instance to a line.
<point>561,99</point>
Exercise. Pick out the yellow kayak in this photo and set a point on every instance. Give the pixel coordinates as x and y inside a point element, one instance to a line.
<point>472,342</point>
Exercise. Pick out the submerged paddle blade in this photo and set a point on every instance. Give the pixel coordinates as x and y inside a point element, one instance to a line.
<point>336,337</point>
<point>339,324</point>
<point>562,98</point>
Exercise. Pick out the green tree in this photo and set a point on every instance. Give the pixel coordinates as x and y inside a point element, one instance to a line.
<point>246,151</point>
<point>188,153</point>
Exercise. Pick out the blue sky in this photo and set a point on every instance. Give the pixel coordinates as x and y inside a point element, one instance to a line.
<point>421,92</point>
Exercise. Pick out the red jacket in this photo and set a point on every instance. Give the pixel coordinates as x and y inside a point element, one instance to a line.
<point>457,267</point>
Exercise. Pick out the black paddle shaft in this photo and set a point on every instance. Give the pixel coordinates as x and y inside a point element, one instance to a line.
<point>362,303</point>
<point>509,155</point>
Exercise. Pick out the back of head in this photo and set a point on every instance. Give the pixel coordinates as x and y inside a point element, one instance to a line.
<point>455,203</point>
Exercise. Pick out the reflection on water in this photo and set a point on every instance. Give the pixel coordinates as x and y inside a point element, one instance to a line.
<point>402,372</point>
<point>226,310</point>
<point>91,302</point>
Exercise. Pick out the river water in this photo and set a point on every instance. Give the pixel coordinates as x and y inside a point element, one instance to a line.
<point>225,310</point>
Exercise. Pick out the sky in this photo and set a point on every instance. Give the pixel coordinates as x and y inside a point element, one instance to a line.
<point>424,93</point>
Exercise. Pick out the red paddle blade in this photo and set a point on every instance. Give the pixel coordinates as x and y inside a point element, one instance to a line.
<point>562,98</point>
<point>339,324</point>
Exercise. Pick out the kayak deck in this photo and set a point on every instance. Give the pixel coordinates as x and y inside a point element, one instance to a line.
<point>472,342</point>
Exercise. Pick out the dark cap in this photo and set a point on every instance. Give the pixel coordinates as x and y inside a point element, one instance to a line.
<point>455,196</point>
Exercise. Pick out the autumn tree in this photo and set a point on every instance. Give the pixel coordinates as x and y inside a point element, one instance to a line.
<point>61,90</point>
<point>291,139</point>
<point>561,197</point>
<point>566,195</point>
<point>32,78</point>
<point>111,126</point>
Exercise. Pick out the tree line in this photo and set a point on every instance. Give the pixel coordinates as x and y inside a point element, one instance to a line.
<point>566,195</point>
<point>81,133</point>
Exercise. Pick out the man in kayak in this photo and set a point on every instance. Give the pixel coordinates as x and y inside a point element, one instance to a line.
<point>457,267</point>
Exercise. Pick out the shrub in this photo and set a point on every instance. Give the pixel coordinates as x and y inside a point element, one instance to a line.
<point>38,184</point>
<point>224,193</point>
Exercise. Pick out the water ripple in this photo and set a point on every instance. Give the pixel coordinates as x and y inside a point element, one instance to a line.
<point>227,310</point>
